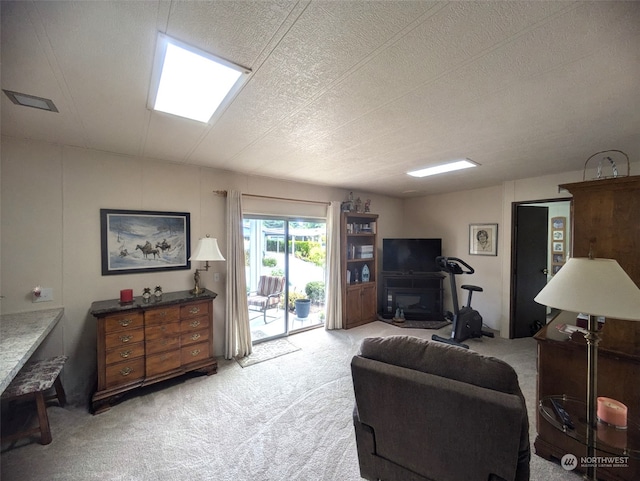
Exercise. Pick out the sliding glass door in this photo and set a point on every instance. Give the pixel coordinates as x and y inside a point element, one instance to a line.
<point>285,271</point>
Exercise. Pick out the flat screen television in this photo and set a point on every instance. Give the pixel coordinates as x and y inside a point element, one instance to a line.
<point>409,256</point>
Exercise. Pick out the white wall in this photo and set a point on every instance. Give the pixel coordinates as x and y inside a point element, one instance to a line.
<point>449,215</point>
<point>50,224</point>
<point>50,232</point>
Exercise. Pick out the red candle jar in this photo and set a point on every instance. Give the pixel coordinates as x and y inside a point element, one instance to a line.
<point>126,295</point>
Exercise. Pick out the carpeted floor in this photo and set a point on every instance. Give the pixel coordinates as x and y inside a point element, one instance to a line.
<point>288,418</point>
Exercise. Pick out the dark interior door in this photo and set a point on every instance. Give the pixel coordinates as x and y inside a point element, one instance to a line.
<point>530,275</point>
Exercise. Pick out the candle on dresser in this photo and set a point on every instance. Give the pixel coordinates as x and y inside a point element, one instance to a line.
<point>612,412</point>
<point>126,295</point>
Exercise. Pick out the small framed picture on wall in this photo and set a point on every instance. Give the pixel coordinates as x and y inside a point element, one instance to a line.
<point>557,239</point>
<point>558,223</point>
<point>483,239</point>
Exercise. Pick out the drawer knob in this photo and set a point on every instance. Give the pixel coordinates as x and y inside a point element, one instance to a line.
<point>195,336</point>
<point>125,322</point>
<point>126,338</point>
<point>195,323</point>
<point>195,352</point>
<point>126,371</point>
<point>194,310</point>
<point>125,354</point>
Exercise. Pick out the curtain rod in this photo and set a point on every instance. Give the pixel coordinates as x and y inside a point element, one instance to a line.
<point>224,193</point>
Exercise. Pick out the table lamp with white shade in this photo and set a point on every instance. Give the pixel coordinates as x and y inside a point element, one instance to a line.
<point>599,288</point>
<point>206,250</point>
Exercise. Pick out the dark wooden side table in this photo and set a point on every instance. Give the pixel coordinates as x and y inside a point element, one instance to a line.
<point>562,368</point>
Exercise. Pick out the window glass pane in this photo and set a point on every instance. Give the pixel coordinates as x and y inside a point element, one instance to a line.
<point>291,253</point>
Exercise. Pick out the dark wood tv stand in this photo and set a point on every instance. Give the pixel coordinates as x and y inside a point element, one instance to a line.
<point>420,295</point>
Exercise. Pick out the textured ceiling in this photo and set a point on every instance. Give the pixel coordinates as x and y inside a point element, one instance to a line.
<point>351,94</point>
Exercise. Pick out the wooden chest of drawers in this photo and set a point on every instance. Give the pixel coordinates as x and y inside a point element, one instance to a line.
<point>146,342</point>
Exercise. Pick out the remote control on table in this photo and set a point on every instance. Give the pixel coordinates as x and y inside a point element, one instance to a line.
<point>562,414</point>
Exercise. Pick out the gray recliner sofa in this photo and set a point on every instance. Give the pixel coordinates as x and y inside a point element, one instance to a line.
<point>431,411</point>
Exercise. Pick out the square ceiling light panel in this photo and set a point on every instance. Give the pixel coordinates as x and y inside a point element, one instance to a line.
<point>27,100</point>
<point>191,83</point>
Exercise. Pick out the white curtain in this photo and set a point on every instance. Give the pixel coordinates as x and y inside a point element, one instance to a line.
<point>333,281</point>
<point>238,331</point>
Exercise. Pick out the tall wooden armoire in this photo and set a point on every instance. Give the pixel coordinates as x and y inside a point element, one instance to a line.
<point>605,219</point>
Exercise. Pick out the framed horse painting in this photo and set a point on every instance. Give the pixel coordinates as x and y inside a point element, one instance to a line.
<point>136,241</point>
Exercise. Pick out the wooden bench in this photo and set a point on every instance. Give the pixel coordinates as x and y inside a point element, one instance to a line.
<point>33,381</point>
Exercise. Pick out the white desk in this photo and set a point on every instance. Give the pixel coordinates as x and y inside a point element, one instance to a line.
<point>20,336</point>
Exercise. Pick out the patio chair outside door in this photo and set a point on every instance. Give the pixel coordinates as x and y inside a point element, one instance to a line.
<point>268,296</point>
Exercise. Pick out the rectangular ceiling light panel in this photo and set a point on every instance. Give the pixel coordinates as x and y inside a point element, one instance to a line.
<point>442,168</point>
<point>191,83</point>
<point>27,100</point>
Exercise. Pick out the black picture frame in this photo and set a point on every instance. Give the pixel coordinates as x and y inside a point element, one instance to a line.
<point>138,241</point>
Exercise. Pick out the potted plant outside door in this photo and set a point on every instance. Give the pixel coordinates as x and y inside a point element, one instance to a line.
<point>302,308</point>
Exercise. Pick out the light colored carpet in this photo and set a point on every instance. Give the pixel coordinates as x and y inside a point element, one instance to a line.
<point>285,419</point>
<point>266,351</point>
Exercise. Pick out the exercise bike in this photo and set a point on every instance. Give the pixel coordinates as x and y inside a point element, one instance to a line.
<point>467,322</point>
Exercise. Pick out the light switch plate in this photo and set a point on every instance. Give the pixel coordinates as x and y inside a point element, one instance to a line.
<point>46,294</point>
